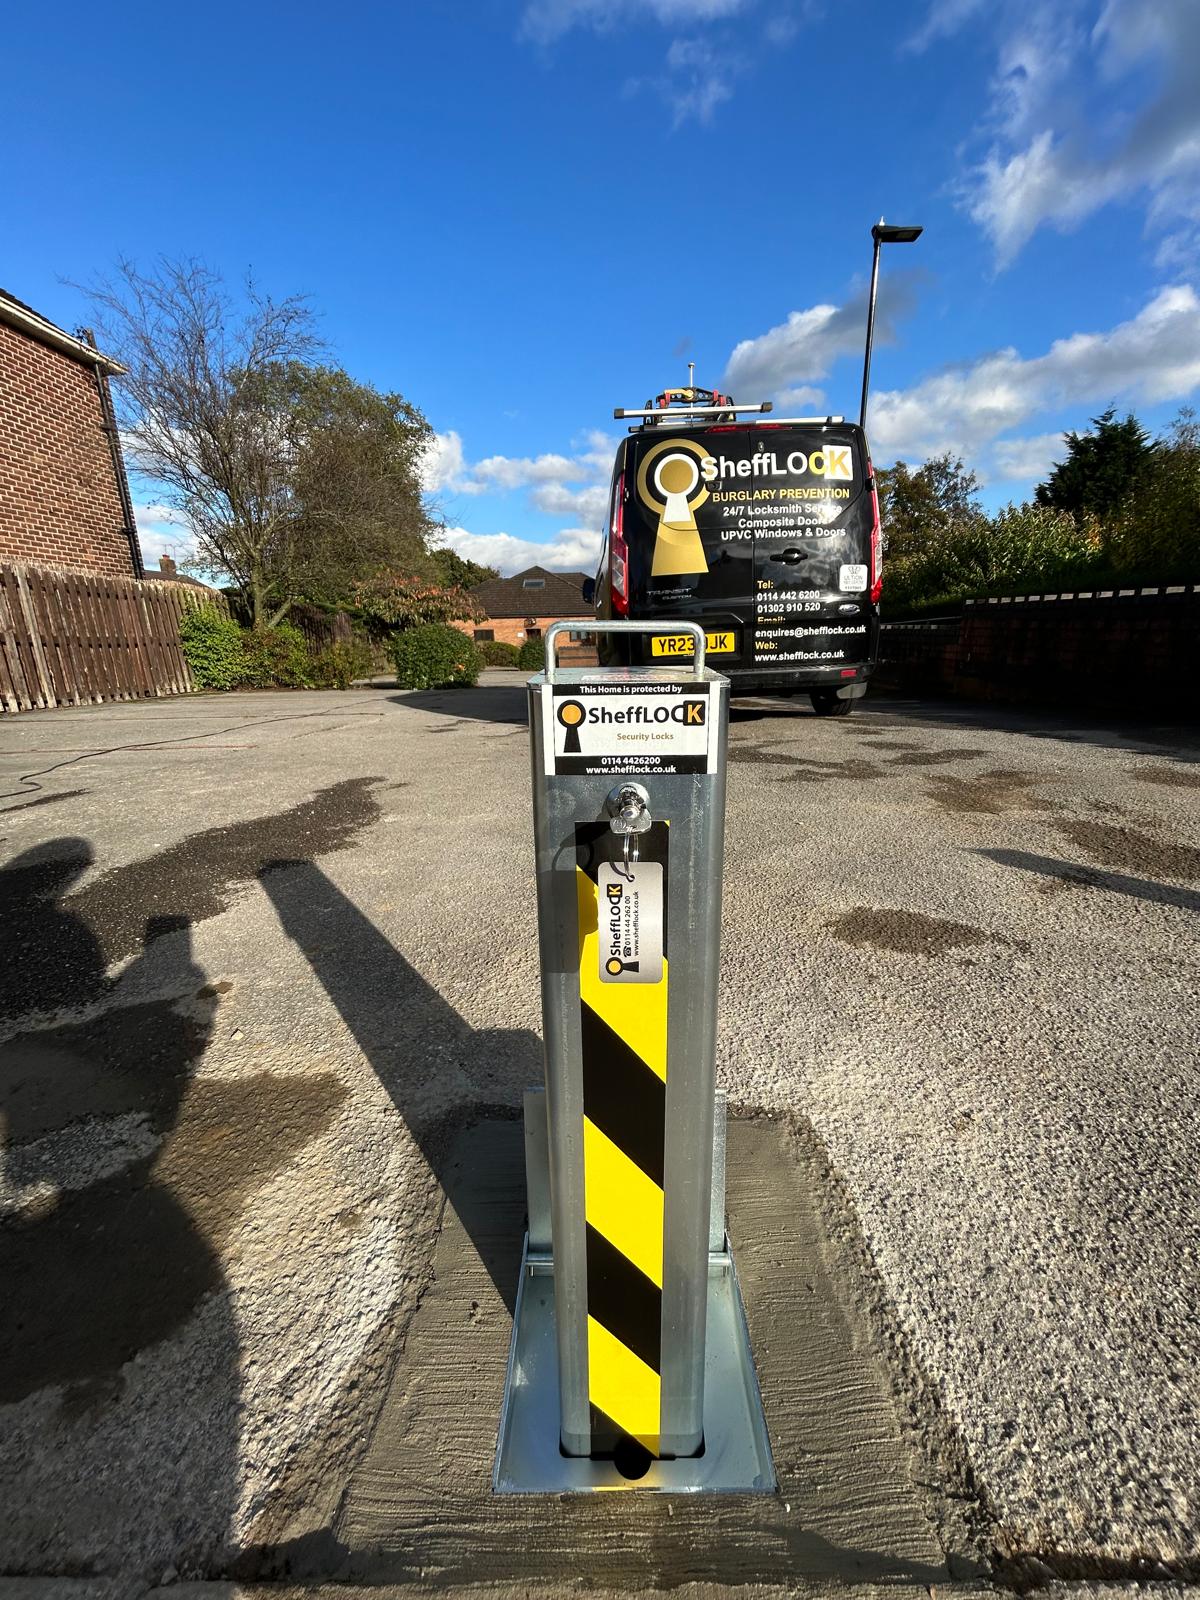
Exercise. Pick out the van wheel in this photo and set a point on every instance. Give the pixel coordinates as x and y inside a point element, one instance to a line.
<point>826,704</point>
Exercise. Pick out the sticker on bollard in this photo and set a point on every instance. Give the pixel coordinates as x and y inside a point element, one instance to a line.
<point>594,728</point>
<point>624,1038</point>
<point>631,922</point>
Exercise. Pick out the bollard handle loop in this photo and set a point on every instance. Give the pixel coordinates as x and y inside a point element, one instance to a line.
<point>661,625</point>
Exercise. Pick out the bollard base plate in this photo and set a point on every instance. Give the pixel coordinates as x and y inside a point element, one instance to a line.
<point>737,1454</point>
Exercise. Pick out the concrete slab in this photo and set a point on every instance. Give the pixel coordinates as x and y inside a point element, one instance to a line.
<point>852,1504</point>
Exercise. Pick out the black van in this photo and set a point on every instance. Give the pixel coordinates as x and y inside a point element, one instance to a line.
<point>765,532</point>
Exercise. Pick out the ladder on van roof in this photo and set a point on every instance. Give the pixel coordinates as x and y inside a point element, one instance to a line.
<point>676,405</point>
<point>688,402</point>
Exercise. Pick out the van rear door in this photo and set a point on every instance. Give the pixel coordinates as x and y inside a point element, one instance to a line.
<point>760,532</point>
<point>812,550</point>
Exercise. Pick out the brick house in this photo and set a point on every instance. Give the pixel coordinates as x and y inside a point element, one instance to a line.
<point>64,496</point>
<point>523,606</point>
<point>168,572</point>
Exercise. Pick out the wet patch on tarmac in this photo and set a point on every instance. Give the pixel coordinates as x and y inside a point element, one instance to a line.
<point>1184,777</point>
<point>989,794</point>
<point>937,758</point>
<point>802,769</point>
<point>909,933</point>
<point>54,955</point>
<point>1127,850</point>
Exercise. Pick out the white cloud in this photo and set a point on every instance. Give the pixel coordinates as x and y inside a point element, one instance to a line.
<point>1025,460</point>
<point>1081,117</point>
<point>574,486</point>
<point>806,346</point>
<point>1153,357</point>
<point>586,506</point>
<point>698,80</point>
<point>447,469</point>
<point>945,17</point>
<point>443,464</point>
<point>547,20</point>
<point>516,472</point>
<point>160,533</point>
<point>572,550</point>
<point>801,401</point>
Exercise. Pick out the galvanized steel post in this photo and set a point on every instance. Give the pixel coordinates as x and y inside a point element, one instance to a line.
<point>630,1361</point>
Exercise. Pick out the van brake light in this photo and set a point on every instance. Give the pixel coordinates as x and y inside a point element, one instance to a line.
<point>618,562</point>
<point>876,546</point>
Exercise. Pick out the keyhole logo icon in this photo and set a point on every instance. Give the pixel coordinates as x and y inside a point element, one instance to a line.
<point>676,477</point>
<point>570,714</point>
<point>669,482</point>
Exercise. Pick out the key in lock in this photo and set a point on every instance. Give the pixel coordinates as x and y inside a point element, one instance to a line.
<point>629,815</point>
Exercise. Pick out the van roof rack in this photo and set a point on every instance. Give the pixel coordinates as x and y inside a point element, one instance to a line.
<point>688,402</point>
<point>665,414</point>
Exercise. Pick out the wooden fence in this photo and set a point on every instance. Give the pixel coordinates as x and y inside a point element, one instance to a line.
<point>75,638</point>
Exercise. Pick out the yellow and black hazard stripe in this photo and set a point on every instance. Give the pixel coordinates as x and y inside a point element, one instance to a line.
<point>624,1036</point>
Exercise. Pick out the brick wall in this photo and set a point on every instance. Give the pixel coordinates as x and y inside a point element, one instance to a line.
<point>1132,651</point>
<point>513,630</point>
<point>59,501</point>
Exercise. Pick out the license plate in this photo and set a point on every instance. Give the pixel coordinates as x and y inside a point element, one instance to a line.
<point>682,644</point>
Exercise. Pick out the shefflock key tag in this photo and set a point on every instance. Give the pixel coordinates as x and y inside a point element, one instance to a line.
<point>630,914</point>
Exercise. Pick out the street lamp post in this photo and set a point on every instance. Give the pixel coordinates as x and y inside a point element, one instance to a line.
<point>882,233</point>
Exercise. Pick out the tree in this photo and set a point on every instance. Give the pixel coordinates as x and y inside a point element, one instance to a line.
<point>356,495</point>
<point>1155,533</point>
<point>456,572</point>
<point>918,509</point>
<point>293,479</point>
<point>1100,467</point>
<point>392,600</point>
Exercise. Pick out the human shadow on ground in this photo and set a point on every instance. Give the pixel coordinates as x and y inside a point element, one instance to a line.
<point>440,1072</point>
<point>99,1259</point>
<point>1069,874</point>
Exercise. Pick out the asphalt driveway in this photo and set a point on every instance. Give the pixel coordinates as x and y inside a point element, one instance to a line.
<point>250,993</point>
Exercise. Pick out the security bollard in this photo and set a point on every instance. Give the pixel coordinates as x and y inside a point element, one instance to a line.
<point>628,803</point>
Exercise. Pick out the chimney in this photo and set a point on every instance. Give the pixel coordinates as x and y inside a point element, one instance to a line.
<point>166,566</point>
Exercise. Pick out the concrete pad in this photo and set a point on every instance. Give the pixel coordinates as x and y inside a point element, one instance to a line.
<point>852,1505</point>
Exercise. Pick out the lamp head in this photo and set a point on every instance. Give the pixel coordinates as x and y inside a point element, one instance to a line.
<point>890,233</point>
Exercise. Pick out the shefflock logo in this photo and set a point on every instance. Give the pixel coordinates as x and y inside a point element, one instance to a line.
<point>614,965</point>
<point>659,727</point>
<point>669,482</point>
<point>833,461</point>
<point>571,714</point>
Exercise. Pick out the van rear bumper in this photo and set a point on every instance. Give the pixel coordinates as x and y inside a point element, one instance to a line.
<point>776,680</point>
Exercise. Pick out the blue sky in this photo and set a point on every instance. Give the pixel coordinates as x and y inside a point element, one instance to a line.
<point>521,213</point>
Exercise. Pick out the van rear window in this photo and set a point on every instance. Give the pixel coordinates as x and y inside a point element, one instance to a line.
<point>728,484</point>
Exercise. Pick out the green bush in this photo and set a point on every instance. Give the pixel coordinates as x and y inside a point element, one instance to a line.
<point>532,655</point>
<point>1154,537</point>
<point>435,657</point>
<point>276,658</point>
<point>337,665</point>
<point>213,648</point>
<point>1021,547</point>
<point>497,653</point>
